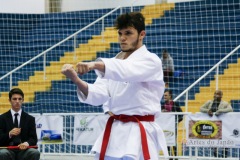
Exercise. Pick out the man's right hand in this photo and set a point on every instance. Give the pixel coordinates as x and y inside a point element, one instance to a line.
<point>210,113</point>
<point>15,132</point>
<point>84,67</point>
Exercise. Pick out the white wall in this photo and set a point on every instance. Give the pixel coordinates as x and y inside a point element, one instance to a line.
<point>22,6</point>
<point>40,6</point>
<point>73,5</point>
<point>173,1</point>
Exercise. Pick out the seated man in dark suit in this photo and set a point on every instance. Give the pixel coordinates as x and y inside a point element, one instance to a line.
<point>17,128</point>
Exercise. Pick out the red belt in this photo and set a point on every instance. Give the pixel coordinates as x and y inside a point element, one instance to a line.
<point>126,118</point>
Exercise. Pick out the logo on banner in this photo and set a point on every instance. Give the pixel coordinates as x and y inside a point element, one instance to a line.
<point>168,133</point>
<point>83,122</point>
<point>84,125</point>
<point>39,125</point>
<point>204,129</point>
<point>236,133</point>
<point>51,136</point>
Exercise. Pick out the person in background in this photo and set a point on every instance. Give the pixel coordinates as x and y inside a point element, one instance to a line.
<point>130,87</point>
<point>171,106</point>
<point>17,128</point>
<point>217,106</point>
<point>168,67</point>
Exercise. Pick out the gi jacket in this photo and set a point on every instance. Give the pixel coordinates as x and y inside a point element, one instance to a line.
<point>133,86</point>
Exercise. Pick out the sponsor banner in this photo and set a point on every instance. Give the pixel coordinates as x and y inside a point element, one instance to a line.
<point>167,123</point>
<point>215,131</point>
<point>49,129</point>
<point>87,128</point>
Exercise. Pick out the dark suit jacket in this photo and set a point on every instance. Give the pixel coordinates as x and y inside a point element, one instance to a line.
<point>27,125</point>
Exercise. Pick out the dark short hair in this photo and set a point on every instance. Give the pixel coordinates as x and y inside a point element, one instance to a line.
<point>15,91</point>
<point>170,92</point>
<point>164,51</point>
<point>133,19</point>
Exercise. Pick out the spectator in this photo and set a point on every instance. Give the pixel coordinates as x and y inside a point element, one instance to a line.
<point>17,128</point>
<point>130,86</point>
<point>55,6</point>
<point>217,107</point>
<point>171,106</point>
<point>168,67</point>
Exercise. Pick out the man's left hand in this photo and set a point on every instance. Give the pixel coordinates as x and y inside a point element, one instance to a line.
<point>23,146</point>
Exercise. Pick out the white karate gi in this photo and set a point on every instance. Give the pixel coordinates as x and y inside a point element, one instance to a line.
<point>133,86</point>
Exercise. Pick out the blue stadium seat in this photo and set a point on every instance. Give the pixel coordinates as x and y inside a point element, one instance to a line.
<point>206,42</point>
<point>235,105</point>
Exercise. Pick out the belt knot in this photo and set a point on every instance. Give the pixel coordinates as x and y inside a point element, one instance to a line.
<point>127,118</point>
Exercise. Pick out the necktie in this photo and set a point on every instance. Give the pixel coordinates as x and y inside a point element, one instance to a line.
<point>16,120</point>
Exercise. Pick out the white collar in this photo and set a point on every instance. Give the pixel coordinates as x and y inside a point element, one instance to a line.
<point>19,112</point>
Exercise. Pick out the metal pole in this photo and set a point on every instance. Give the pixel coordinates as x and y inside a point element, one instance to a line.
<point>217,72</point>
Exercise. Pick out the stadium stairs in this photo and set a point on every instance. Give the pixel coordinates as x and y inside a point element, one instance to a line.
<point>85,52</point>
<point>228,82</point>
<point>196,38</point>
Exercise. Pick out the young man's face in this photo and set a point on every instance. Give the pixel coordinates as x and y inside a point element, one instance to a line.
<point>16,102</point>
<point>167,97</point>
<point>165,55</point>
<point>129,39</point>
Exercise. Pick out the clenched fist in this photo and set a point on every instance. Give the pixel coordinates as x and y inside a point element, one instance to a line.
<point>84,67</point>
<point>68,71</point>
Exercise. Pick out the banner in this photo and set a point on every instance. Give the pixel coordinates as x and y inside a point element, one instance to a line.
<point>49,129</point>
<point>167,123</point>
<point>88,128</point>
<point>216,131</point>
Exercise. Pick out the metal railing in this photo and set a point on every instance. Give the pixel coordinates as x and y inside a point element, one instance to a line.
<point>68,148</point>
<point>216,66</point>
<point>58,44</point>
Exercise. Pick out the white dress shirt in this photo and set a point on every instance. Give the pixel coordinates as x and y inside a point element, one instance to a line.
<point>18,117</point>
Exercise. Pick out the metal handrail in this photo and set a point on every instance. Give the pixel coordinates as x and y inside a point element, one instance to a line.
<point>216,66</point>
<point>59,43</point>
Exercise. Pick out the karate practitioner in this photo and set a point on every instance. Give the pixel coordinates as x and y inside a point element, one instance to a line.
<point>130,87</point>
